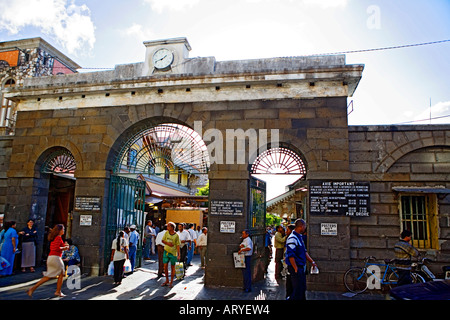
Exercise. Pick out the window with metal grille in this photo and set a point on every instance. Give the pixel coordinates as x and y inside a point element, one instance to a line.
<point>418,214</point>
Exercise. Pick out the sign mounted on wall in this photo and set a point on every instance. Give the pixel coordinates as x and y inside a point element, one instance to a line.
<point>88,203</point>
<point>328,229</point>
<point>228,226</point>
<point>227,207</point>
<point>342,198</point>
<point>85,220</point>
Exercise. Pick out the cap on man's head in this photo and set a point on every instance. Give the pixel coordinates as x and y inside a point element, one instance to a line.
<point>133,226</point>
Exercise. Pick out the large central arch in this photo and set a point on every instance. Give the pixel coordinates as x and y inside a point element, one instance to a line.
<point>148,154</point>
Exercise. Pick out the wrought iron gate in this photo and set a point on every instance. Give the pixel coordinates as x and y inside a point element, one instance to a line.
<point>125,208</point>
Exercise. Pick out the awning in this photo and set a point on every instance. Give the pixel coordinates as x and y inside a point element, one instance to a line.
<point>441,190</point>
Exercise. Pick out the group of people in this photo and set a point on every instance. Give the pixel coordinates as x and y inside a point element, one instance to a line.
<point>179,246</point>
<point>291,258</point>
<point>24,243</point>
<point>10,240</point>
<point>172,244</point>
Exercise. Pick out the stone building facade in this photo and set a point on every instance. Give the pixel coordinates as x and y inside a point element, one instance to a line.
<point>91,116</point>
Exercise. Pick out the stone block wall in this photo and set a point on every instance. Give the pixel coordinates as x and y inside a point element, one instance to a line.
<point>389,157</point>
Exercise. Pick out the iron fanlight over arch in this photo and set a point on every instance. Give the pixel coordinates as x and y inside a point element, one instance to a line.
<point>170,146</point>
<point>278,160</point>
<point>60,161</point>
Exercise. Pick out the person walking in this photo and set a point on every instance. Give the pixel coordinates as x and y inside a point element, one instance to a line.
<point>404,251</point>
<point>55,265</point>
<point>10,240</point>
<point>279,244</point>
<point>133,241</point>
<point>290,227</point>
<point>184,236</point>
<point>148,237</point>
<point>119,254</point>
<point>171,242</point>
<point>202,242</point>
<point>267,249</point>
<point>190,253</point>
<point>296,257</point>
<point>246,247</point>
<point>160,250</point>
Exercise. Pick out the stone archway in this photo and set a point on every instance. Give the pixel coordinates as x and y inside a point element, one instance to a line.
<point>52,199</point>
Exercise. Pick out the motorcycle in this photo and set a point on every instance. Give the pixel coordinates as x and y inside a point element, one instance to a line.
<point>422,269</point>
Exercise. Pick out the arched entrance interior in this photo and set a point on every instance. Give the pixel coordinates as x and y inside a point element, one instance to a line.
<point>53,200</point>
<point>155,174</point>
<point>277,193</point>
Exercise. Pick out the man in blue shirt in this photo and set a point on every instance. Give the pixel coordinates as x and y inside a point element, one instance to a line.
<point>295,258</point>
<point>133,241</point>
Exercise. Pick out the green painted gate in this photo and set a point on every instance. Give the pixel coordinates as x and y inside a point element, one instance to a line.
<point>125,208</point>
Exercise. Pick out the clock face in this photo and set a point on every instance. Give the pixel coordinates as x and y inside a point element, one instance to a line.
<point>162,58</point>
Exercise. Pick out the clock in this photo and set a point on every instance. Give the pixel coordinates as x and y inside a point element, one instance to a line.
<point>162,58</point>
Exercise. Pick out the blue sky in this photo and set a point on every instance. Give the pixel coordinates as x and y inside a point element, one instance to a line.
<point>397,85</point>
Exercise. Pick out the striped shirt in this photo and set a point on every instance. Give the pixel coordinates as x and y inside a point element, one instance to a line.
<point>403,253</point>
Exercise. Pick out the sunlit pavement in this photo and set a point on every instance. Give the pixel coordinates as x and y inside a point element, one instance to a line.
<point>143,284</point>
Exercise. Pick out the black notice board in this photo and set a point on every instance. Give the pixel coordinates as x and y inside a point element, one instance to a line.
<point>227,207</point>
<point>86,203</point>
<point>341,198</point>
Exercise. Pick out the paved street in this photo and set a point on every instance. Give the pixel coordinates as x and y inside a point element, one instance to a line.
<point>144,285</point>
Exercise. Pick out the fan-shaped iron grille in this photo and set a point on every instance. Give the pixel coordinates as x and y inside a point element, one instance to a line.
<point>278,160</point>
<point>60,162</point>
<point>171,146</point>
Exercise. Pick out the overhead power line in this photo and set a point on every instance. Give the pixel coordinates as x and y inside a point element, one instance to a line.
<point>346,52</point>
<point>386,48</point>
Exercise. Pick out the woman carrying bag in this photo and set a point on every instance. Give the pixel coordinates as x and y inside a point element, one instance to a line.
<point>119,255</point>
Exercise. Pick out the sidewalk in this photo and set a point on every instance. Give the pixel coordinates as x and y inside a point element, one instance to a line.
<point>144,285</point>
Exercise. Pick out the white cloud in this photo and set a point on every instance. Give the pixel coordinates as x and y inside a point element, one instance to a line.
<point>139,32</point>
<point>69,24</point>
<point>177,5</point>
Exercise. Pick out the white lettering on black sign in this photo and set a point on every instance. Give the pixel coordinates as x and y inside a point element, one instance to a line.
<point>344,198</point>
<point>227,207</point>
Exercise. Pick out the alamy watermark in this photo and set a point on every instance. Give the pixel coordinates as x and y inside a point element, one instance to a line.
<point>235,147</point>
<point>73,281</point>
<point>374,19</point>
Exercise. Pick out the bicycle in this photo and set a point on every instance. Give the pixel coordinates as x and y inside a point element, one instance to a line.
<point>358,280</point>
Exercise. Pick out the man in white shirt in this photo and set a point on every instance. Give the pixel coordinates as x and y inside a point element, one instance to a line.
<point>185,239</point>
<point>246,247</point>
<point>201,246</point>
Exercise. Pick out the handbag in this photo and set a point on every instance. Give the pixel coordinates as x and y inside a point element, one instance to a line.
<point>111,268</point>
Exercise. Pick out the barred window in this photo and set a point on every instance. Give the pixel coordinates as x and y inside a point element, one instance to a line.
<point>418,215</point>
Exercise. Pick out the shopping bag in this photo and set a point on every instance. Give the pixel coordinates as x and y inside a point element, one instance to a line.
<point>179,270</point>
<point>111,269</point>
<point>127,266</point>
<point>239,260</point>
<point>4,263</point>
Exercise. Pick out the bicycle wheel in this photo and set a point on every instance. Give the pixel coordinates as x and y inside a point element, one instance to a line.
<point>355,280</point>
<point>392,279</point>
